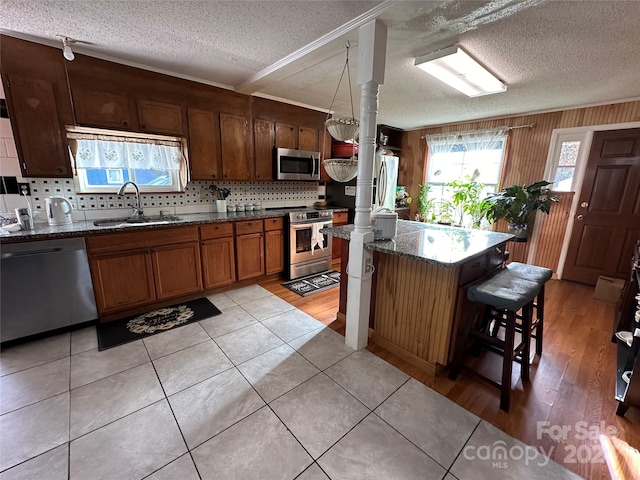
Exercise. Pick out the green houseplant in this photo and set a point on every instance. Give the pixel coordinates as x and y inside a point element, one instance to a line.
<point>517,204</point>
<point>425,205</point>
<point>466,198</point>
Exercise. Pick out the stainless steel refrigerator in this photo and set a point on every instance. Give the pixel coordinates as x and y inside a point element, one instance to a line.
<point>385,174</point>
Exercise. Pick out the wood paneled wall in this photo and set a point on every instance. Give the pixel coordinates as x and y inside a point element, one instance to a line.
<point>525,161</point>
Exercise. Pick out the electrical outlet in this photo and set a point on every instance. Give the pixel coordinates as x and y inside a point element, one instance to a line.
<point>203,193</point>
<point>24,187</point>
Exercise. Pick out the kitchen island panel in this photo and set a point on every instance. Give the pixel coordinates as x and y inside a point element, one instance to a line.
<point>415,310</point>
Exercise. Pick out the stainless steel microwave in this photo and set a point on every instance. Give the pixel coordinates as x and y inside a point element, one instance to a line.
<point>297,164</point>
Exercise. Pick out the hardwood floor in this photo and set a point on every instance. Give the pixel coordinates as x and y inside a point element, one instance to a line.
<point>571,386</point>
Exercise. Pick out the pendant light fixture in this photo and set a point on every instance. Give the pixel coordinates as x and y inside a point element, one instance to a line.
<point>66,47</point>
<point>344,130</point>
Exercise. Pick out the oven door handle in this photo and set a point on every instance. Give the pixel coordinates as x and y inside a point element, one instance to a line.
<point>302,226</point>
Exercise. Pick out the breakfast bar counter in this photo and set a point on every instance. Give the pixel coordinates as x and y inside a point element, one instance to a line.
<point>419,286</point>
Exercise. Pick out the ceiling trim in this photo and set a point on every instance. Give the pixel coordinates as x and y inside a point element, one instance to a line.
<point>289,65</point>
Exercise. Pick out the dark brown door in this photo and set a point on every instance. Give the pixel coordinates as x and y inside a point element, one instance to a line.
<point>607,221</point>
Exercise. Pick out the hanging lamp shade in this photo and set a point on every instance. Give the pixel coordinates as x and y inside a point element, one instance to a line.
<point>341,169</point>
<point>342,128</point>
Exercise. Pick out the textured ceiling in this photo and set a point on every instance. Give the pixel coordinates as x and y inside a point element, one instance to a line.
<point>551,54</point>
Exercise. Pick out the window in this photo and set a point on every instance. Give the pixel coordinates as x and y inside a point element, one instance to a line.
<point>106,160</point>
<point>565,159</point>
<point>461,156</point>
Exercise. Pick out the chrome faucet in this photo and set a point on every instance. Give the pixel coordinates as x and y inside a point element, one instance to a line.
<point>137,208</point>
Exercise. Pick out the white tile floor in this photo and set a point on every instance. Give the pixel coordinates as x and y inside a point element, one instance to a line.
<point>262,391</point>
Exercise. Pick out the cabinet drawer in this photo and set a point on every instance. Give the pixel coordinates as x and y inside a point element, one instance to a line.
<point>216,230</point>
<point>472,270</point>
<point>273,224</point>
<point>340,218</point>
<point>118,242</point>
<point>254,226</point>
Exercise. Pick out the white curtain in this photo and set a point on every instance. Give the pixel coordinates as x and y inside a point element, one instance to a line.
<point>122,154</point>
<point>472,140</point>
<point>483,139</point>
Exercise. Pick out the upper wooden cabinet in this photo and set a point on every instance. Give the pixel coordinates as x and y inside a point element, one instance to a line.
<point>39,106</point>
<point>263,135</point>
<point>159,117</point>
<point>40,139</point>
<point>286,136</point>
<point>204,144</point>
<point>308,139</point>
<point>103,109</point>
<point>237,161</point>
<point>295,137</point>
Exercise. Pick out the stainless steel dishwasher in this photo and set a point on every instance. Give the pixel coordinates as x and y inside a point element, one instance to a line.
<point>45,285</point>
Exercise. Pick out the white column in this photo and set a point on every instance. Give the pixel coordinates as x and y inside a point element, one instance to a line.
<point>372,47</point>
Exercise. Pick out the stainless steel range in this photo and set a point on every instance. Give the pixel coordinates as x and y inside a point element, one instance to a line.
<point>307,250</point>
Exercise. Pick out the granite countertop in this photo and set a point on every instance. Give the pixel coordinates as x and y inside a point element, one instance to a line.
<point>44,231</point>
<point>441,245</point>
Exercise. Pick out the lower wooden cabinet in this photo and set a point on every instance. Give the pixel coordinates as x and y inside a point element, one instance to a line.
<point>339,218</point>
<point>176,270</point>
<point>274,245</point>
<point>218,262</point>
<point>250,249</point>
<point>122,280</point>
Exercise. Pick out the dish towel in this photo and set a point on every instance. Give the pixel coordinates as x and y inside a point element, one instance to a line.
<point>317,238</point>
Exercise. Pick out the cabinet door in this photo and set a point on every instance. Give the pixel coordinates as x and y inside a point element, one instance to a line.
<point>339,218</point>
<point>157,117</point>
<point>102,109</point>
<point>204,144</point>
<point>308,139</point>
<point>176,269</point>
<point>274,248</point>
<point>236,155</point>
<point>263,136</point>
<point>122,280</point>
<point>250,254</point>
<point>286,136</point>
<point>39,136</point>
<point>218,262</point>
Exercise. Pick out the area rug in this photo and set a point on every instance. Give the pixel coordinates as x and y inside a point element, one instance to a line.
<point>119,332</point>
<point>315,283</point>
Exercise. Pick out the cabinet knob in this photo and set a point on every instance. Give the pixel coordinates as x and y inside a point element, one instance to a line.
<point>124,123</point>
<point>580,217</point>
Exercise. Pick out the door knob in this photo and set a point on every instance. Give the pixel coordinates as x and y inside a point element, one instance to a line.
<point>584,204</point>
<point>580,217</point>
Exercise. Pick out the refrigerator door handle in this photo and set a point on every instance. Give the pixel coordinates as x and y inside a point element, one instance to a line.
<point>382,183</point>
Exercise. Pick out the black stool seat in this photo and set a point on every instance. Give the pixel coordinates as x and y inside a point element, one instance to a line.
<point>505,293</point>
<point>541,275</point>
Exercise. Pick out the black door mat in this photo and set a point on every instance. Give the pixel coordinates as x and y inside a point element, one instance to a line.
<point>119,332</point>
<point>314,283</point>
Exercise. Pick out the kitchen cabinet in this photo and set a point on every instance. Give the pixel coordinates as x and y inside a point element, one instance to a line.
<point>39,106</point>
<point>250,249</point>
<point>274,245</point>
<point>339,218</point>
<point>235,141</point>
<point>40,137</point>
<point>176,269</point>
<point>296,137</point>
<point>218,255</point>
<point>122,280</point>
<point>104,109</point>
<point>263,135</point>
<point>160,117</point>
<point>308,139</point>
<point>325,152</point>
<point>204,144</point>
<point>131,269</point>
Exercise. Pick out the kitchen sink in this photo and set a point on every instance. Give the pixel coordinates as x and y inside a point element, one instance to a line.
<point>136,221</point>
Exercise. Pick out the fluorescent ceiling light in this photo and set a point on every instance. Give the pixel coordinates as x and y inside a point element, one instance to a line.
<point>456,68</point>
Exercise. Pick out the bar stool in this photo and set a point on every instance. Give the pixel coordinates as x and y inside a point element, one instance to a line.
<point>541,276</point>
<point>505,293</point>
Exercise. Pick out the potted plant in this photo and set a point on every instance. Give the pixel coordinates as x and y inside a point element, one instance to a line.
<point>466,199</point>
<point>424,205</point>
<point>517,204</point>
